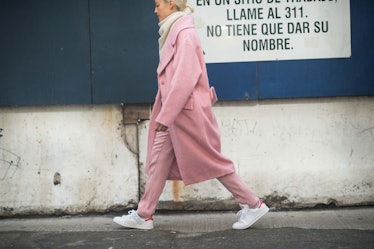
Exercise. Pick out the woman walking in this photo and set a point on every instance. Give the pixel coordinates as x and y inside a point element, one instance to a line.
<point>184,140</point>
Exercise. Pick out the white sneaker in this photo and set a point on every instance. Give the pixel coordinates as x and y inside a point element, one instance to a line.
<point>248,216</point>
<point>133,220</point>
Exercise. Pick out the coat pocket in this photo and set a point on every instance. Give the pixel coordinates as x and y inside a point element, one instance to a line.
<point>189,104</point>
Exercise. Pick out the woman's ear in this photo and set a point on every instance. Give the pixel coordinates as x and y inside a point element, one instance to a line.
<point>172,4</point>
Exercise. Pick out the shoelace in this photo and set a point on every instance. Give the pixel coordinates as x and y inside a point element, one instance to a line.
<point>240,214</point>
<point>132,212</point>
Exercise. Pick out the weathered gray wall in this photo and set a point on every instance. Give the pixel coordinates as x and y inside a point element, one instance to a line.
<point>293,153</point>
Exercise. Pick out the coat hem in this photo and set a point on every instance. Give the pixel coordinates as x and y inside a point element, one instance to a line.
<point>195,181</point>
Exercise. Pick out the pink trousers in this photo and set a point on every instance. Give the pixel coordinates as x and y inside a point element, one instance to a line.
<point>162,151</point>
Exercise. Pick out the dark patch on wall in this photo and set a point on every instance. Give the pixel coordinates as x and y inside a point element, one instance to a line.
<point>57,179</point>
<point>276,200</point>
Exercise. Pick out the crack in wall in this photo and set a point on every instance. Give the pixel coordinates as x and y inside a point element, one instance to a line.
<point>132,116</point>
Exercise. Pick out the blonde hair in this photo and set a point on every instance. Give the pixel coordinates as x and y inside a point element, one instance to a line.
<point>181,5</point>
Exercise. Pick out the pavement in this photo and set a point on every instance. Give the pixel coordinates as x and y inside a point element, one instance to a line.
<point>333,228</point>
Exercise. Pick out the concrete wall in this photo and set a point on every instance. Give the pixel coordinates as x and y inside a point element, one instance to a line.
<point>293,153</point>
<point>65,160</point>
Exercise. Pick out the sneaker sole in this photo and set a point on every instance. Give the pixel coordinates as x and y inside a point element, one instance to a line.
<point>264,211</point>
<point>144,227</point>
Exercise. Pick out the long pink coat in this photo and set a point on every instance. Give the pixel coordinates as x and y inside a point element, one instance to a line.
<point>184,104</point>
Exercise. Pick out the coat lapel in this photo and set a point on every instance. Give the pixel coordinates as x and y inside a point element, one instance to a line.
<point>168,50</point>
<point>167,55</point>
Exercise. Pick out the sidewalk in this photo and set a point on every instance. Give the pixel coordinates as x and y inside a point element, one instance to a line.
<point>337,228</point>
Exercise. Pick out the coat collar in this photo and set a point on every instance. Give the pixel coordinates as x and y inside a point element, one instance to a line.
<point>168,50</point>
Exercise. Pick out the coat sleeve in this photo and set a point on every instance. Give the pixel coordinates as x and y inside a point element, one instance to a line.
<point>187,71</point>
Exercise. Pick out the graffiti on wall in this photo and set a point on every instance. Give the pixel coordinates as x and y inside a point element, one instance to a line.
<point>9,162</point>
<point>237,127</point>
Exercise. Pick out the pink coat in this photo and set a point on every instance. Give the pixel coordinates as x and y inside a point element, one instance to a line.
<point>184,104</point>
